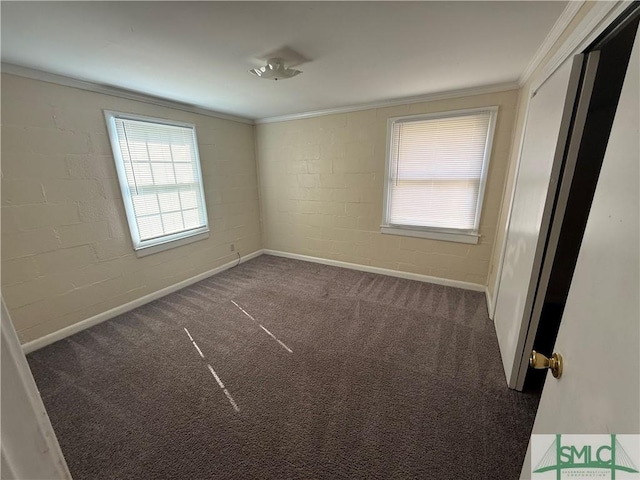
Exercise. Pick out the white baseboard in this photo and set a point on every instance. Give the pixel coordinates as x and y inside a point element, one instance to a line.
<point>381,271</point>
<point>114,312</point>
<point>489,302</point>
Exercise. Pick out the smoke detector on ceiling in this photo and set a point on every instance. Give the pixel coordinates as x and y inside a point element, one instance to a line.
<point>275,69</point>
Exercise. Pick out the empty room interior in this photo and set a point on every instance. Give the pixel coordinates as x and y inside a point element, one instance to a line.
<point>317,240</point>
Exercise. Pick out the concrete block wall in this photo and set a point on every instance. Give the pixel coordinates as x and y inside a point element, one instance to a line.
<point>321,184</point>
<point>66,248</point>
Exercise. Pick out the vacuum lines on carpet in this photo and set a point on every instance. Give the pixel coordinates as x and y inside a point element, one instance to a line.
<point>390,379</point>
<point>213,372</point>
<point>262,327</point>
<point>215,375</point>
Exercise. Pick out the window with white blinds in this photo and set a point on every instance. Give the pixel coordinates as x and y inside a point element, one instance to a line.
<point>436,174</point>
<point>159,171</point>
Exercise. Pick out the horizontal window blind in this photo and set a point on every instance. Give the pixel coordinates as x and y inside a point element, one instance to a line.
<point>435,171</point>
<point>163,177</point>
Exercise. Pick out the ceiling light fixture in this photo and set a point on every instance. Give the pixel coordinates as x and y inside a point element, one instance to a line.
<point>275,69</point>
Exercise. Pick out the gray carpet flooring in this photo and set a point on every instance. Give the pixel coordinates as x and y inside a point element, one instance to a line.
<point>315,372</point>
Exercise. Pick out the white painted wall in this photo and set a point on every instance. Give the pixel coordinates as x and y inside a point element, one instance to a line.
<point>585,19</point>
<point>530,214</point>
<point>599,391</point>
<point>30,450</point>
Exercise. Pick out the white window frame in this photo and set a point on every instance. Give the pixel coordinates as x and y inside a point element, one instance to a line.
<point>437,233</point>
<point>147,247</point>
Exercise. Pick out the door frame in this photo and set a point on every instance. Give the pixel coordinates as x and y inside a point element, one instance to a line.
<point>595,22</point>
<point>555,211</point>
<point>30,448</point>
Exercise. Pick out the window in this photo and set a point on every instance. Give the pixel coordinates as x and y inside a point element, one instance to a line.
<point>436,173</point>
<point>159,172</point>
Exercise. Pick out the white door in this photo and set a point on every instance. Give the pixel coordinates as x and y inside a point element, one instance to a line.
<point>547,121</point>
<point>599,337</point>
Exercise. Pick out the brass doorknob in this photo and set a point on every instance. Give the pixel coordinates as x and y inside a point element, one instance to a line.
<point>540,362</point>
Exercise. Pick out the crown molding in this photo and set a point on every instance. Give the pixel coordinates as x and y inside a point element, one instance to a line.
<point>430,97</point>
<point>594,18</point>
<point>601,15</point>
<point>48,77</point>
<point>565,18</point>
<point>114,91</point>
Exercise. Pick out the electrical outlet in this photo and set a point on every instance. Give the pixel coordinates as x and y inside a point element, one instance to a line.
<point>233,247</point>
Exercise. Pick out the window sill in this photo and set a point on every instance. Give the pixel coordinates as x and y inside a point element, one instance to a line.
<point>471,238</point>
<point>161,247</point>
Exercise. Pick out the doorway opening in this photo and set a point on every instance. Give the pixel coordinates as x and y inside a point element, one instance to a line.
<point>601,82</point>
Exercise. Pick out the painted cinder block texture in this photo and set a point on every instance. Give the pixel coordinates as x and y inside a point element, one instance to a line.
<point>66,248</point>
<point>321,185</point>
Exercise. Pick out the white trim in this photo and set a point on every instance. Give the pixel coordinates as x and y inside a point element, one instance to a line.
<point>452,235</point>
<point>593,24</point>
<point>565,18</point>
<point>146,118</point>
<point>490,306</point>
<point>430,97</point>
<point>496,285</point>
<point>169,244</point>
<point>503,251</point>
<point>30,448</point>
<point>380,271</point>
<point>170,240</point>
<point>48,77</point>
<point>471,238</point>
<point>127,307</point>
<point>114,312</point>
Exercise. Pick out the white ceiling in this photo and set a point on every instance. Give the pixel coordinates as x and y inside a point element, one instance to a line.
<point>199,52</point>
